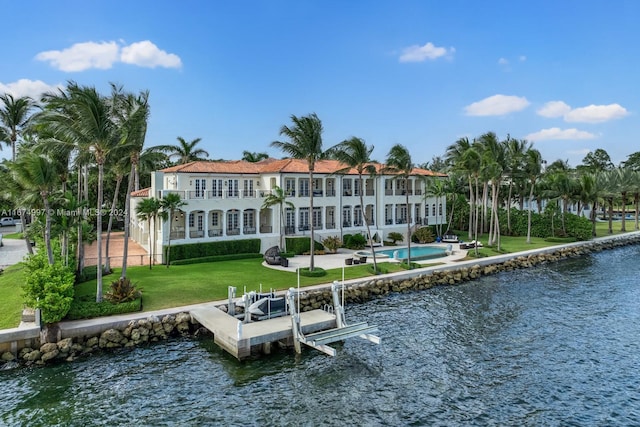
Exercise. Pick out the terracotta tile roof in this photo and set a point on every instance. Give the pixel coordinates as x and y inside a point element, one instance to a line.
<point>143,192</point>
<point>225,166</point>
<point>270,165</point>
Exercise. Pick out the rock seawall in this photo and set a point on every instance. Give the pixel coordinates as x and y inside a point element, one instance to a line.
<point>376,287</point>
<point>153,328</point>
<point>137,332</point>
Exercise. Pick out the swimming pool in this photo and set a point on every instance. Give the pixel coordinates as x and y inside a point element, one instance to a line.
<point>400,253</point>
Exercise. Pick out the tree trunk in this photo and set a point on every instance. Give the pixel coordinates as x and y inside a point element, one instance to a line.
<point>366,223</point>
<point>99,231</point>
<point>529,213</point>
<point>311,228</point>
<point>409,224</point>
<point>623,226</point>
<point>107,263</point>
<point>127,216</point>
<point>47,229</point>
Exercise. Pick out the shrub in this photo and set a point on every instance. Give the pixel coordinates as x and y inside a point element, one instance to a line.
<point>381,269</point>
<point>332,243</point>
<point>48,287</point>
<point>424,235</point>
<point>122,290</point>
<point>357,241</point>
<point>300,245</point>
<point>206,249</point>
<point>346,240</point>
<point>87,308</point>
<point>317,272</point>
<point>394,236</point>
<point>215,258</point>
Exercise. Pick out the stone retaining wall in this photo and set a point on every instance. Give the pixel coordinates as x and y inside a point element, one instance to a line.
<point>137,332</point>
<point>153,328</point>
<point>364,290</point>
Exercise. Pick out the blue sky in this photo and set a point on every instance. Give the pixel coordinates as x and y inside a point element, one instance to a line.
<point>562,74</point>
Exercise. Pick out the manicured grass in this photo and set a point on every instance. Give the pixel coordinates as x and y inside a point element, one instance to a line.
<point>11,296</point>
<point>12,236</point>
<point>196,283</point>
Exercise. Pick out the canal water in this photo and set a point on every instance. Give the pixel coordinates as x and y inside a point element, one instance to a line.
<point>553,345</point>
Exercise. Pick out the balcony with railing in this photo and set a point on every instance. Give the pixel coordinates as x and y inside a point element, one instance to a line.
<point>233,231</point>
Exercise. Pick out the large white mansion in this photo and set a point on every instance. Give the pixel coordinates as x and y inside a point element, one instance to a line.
<point>224,200</point>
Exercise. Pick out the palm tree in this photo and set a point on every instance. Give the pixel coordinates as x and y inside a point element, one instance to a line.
<point>184,152</point>
<point>356,154</point>
<point>436,187</point>
<point>399,162</point>
<point>305,142</point>
<point>133,113</point>
<point>278,197</point>
<point>515,163</point>
<point>253,157</point>
<point>150,210</point>
<point>493,158</point>
<point>86,118</point>
<point>37,174</point>
<point>170,203</point>
<point>625,181</point>
<point>462,156</point>
<point>14,116</point>
<point>532,169</point>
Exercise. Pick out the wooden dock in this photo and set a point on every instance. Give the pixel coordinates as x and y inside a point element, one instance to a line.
<point>239,339</point>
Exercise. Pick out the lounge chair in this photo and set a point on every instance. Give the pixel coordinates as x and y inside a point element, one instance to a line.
<point>272,256</point>
<point>449,238</point>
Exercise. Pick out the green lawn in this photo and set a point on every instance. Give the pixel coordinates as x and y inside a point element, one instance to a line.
<point>195,283</point>
<point>11,296</point>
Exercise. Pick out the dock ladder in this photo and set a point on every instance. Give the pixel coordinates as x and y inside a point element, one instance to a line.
<point>319,340</point>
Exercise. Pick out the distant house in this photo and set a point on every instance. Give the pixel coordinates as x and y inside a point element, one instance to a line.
<point>224,201</point>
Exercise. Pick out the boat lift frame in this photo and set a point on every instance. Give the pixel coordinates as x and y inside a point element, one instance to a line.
<point>319,340</point>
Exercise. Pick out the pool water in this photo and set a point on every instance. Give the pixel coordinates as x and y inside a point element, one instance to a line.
<point>417,253</point>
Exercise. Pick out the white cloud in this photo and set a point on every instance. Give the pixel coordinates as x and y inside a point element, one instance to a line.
<point>417,53</point>
<point>25,87</point>
<point>589,114</point>
<point>497,105</point>
<point>147,54</point>
<point>82,56</point>
<point>557,133</point>
<point>580,152</point>
<point>87,55</point>
<point>503,61</point>
<point>522,58</point>
<point>596,113</point>
<point>554,109</point>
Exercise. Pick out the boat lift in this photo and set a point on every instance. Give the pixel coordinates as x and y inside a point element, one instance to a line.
<point>319,340</point>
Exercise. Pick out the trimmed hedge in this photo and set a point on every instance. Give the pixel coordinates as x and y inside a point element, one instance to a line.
<point>317,272</point>
<point>207,249</point>
<point>300,245</point>
<point>214,258</point>
<point>87,308</point>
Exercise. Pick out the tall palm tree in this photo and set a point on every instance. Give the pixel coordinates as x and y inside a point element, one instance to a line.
<point>305,142</point>
<point>494,161</point>
<point>132,112</point>
<point>150,210</point>
<point>184,152</point>
<point>86,118</point>
<point>278,197</point>
<point>37,174</point>
<point>533,170</point>
<point>625,184</point>
<point>515,164</point>
<point>436,187</point>
<point>399,163</point>
<point>14,116</point>
<point>356,154</point>
<point>462,156</point>
<point>253,157</point>
<point>170,203</point>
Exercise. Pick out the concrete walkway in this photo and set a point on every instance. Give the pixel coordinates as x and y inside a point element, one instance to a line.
<point>12,251</point>
<point>330,261</point>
